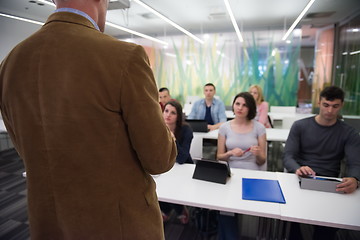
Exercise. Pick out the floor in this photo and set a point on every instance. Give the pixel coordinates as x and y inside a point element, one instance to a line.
<point>13,206</point>
<point>202,225</point>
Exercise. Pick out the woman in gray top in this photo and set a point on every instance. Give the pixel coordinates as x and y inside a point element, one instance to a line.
<point>242,141</point>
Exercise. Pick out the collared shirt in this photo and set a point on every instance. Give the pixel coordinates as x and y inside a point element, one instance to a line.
<point>218,115</point>
<point>81,13</point>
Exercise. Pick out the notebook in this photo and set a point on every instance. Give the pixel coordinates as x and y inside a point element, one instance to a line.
<point>262,190</point>
<point>198,125</point>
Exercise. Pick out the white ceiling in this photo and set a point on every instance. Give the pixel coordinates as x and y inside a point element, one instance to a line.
<point>199,16</point>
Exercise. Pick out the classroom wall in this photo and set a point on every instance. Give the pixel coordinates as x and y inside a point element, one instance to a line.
<point>10,36</point>
<point>185,66</point>
<point>346,72</point>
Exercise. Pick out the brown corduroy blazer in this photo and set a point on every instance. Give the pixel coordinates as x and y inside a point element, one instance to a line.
<point>82,111</point>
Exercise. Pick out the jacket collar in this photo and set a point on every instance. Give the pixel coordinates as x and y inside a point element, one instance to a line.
<point>69,18</point>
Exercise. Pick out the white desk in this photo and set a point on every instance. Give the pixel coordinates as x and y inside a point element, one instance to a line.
<point>281,116</point>
<point>2,126</point>
<point>319,208</point>
<point>177,186</point>
<point>196,146</point>
<point>272,134</point>
<point>304,206</point>
<point>277,135</point>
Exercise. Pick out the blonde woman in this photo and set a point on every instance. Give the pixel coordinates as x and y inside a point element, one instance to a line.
<point>262,107</point>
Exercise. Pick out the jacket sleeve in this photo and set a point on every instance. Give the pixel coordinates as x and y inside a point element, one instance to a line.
<point>149,136</point>
<point>292,149</point>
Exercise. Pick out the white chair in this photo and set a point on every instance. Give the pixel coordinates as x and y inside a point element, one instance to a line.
<point>283,109</point>
<point>287,122</point>
<point>191,99</point>
<point>187,109</point>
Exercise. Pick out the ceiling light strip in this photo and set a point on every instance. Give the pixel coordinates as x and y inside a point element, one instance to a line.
<point>355,52</point>
<point>22,19</point>
<point>107,23</point>
<point>46,2</point>
<point>298,19</point>
<point>169,21</point>
<point>237,30</point>
<point>135,33</point>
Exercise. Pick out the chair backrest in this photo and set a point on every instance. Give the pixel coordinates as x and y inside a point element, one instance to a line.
<point>287,122</point>
<point>271,121</point>
<point>354,122</point>
<point>282,109</point>
<point>191,99</point>
<point>187,109</point>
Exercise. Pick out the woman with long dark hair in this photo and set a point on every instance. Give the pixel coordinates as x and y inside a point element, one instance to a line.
<point>173,117</point>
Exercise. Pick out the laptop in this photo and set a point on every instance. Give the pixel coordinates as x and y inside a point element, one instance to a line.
<point>198,125</point>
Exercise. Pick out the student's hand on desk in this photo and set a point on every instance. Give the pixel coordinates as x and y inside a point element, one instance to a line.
<point>305,171</point>
<point>348,185</point>
<point>211,127</point>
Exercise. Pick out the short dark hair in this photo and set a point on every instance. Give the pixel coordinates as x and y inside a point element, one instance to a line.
<point>163,89</point>
<point>331,93</point>
<point>210,84</point>
<point>250,103</point>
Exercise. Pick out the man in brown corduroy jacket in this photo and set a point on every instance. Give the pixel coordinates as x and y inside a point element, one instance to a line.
<point>82,111</point>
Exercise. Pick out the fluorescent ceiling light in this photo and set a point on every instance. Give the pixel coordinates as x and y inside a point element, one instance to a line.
<point>107,23</point>
<point>135,33</point>
<point>22,19</point>
<point>46,2</point>
<point>355,52</point>
<point>298,19</point>
<point>237,30</point>
<point>170,55</point>
<point>169,21</point>
<point>120,27</point>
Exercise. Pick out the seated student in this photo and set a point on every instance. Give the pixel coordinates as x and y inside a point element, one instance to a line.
<point>173,118</point>
<point>241,142</point>
<point>317,145</point>
<point>209,108</point>
<point>164,97</point>
<point>262,107</point>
